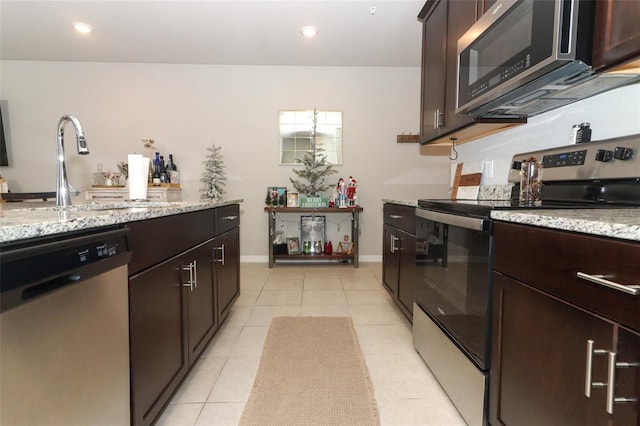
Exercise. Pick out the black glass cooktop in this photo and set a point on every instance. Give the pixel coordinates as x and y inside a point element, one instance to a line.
<point>594,194</point>
<point>483,208</point>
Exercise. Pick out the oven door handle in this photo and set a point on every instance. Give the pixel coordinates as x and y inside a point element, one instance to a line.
<point>473,223</point>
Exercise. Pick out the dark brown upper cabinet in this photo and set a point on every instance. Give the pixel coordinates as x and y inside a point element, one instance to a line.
<point>444,22</point>
<point>616,34</point>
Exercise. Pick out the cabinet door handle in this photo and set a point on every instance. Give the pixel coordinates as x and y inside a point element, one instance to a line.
<point>588,385</point>
<point>189,268</point>
<point>633,290</point>
<point>230,217</point>
<point>611,386</point>
<point>221,260</point>
<point>395,216</point>
<point>195,274</point>
<point>393,243</point>
<point>436,118</point>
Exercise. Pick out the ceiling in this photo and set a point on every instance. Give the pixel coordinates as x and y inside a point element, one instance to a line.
<point>238,32</point>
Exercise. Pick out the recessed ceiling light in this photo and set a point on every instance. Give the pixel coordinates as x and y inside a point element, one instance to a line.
<point>309,31</point>
<point>83,28</point>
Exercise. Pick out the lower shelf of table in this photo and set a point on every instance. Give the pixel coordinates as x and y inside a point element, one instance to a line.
<point>314,257</point>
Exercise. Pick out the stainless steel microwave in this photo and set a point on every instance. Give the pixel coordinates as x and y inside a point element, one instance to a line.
<point>517,42</point>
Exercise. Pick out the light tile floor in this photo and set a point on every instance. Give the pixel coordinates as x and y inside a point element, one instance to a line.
<point>219,384</point>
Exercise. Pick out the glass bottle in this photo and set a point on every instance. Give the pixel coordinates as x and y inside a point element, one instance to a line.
<point>171,165</point>
<point>172,170</point>
<point>156,169</point>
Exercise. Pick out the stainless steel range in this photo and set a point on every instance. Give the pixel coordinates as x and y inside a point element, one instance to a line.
<point>451,318</point>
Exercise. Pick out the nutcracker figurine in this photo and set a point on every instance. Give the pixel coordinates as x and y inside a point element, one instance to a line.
<point>352,193</point>
<point>342,193</point>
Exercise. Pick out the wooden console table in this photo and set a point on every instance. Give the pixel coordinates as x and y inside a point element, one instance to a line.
<point>355,223</point>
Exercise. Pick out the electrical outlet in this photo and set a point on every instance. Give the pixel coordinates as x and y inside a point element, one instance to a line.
<point>488,168</point>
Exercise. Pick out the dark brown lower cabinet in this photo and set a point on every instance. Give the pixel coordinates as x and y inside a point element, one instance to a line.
<point>173,320</point>
<point>158,347</point>
<point>180,288</point>
<point>555,361</point>
<point>227,271</point>
<point>197,283</point>
<point>399,255</point>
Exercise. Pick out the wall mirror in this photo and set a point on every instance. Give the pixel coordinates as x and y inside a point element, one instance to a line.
<point>295,135</point>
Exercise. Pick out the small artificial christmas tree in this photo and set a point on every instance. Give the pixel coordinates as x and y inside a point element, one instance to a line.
<point>213,176</point>
<point>316,167</point>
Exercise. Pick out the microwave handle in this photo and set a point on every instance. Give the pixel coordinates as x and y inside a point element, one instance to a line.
<point>472,223</point>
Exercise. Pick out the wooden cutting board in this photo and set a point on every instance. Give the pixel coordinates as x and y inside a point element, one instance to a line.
<point>466,182</point>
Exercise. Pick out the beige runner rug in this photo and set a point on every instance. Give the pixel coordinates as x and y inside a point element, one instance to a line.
<point>312,372</point>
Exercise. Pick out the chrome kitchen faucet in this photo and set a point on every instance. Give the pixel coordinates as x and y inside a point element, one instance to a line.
<point>63,197</point>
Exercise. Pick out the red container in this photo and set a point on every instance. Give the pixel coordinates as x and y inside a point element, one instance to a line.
<point>328,247</point>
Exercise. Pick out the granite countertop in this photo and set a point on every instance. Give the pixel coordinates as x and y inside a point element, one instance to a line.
<point>28,220</point>
<point>410,203</point>
<point>615,223</point>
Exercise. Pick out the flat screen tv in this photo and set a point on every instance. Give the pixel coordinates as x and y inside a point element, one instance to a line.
<point>4,159</point>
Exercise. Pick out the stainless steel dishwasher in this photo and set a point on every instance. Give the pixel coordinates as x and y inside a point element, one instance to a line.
<point>64,357</point>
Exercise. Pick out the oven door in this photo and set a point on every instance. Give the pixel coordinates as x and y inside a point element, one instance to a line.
<point>453,276</point>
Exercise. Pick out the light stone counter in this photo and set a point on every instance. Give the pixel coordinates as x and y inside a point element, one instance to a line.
<point>410,203</point>
<point>20,221</point>
<point>615,223</point>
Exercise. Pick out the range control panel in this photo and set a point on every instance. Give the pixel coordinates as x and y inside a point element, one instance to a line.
<point>607,159</point>
<point>574,158</point>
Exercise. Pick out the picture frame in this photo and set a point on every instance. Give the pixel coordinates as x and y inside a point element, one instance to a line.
<point>293,245</point>
<point>345,247</point>
<point>292,199</point>
<point>312,228</point>
<point>276,196</point>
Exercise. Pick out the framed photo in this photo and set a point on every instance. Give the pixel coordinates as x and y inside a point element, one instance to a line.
<point>276,196</point>
<point>312,228</point>
<point>345,248</point>
<point>293,245</point>
<point>292,199</point>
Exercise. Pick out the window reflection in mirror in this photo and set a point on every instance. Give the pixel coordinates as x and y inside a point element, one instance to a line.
<point>295,135</point>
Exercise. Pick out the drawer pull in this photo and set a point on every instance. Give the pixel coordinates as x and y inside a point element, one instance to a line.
<point>633,290</point>
<point>611,399</point>
<point>395,216</point>
<point>588,385</point>
<point>230,217</point>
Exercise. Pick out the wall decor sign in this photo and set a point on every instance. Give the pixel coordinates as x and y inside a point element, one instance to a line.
<point>314,202</point>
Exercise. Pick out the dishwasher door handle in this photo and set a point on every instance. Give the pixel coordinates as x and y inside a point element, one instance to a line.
<point>47,286</point>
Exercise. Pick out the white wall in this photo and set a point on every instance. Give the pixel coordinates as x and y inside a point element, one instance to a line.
<point>187,107</point>
<point>611,114</point>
